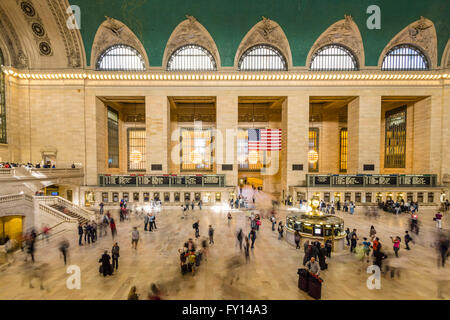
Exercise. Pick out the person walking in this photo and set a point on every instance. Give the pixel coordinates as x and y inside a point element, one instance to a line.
<point>408,239</point>
<point>146,220</point>
<point>280,230</point>
<point>192,205</point>
<point>372,233</point>
<point>229,217</point>
<point>347,236</point>
<point>366,247</point>
<point>106,264</point>
<point>247,250</point>
<point>274,222</point>
<point>134,238</point>
<point>297,240</point>
<point>240,236</point>
<point>80,234</point>
<point>196,226</point>
<point>63,246</point>
<point>329,246</point>
<point>438,219</point>
<point>101,207</point>
<point>396,243</point>
<point>153,221</point>
<point>115,252</point>
<point>211,234</point>
<point>252,236</point>
<point>353,240</point>
<point>112,225</point>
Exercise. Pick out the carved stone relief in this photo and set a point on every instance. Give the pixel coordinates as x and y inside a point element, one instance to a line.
<point>344,32</point>
<point>446,56</point>
<point>421,34</point>
<point>73,43</point>
<point>190,31</point>
<point>37,27</point>
<point>113,32</point>
<point>17,55</point>
<point>265,32</point>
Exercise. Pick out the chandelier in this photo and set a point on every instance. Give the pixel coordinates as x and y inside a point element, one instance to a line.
<point>313,156</point>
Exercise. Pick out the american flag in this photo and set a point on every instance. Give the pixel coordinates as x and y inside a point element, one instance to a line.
<point>264,139</point>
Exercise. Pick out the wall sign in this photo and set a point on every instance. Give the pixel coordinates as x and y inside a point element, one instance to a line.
<point>365,180</point>
<point>163,181</point>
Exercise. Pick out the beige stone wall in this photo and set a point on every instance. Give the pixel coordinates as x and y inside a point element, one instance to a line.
<point>330,143</point>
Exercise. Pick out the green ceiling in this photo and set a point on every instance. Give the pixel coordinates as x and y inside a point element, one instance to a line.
<point>228,21</point>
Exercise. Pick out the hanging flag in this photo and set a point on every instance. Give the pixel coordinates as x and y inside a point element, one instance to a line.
<point>264,139</point>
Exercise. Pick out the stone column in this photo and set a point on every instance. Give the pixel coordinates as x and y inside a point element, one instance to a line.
<point>295,120</point>
<point>157,122</point>
<point>364,117</point>
<point>226,137</point>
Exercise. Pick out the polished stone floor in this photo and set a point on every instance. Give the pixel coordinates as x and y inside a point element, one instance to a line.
<point>271,273</point>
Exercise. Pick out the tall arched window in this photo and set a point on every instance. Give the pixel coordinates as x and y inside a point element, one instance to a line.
<point>2,103</point>
<point>191,57</point>
<point>334,58</point>
<point>120,57</point>
<point>262,58</point>
<point>405,57</point>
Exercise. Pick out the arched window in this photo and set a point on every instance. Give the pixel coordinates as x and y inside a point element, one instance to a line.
<point>120,58</point>
<point>191,57</point>
<point>2,103</point>
<point>262,58</point>
<point>334,58</point>
<point>405,57</point>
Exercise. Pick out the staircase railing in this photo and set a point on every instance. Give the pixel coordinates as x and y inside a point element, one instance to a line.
<point>69,205</point>
<point>15,197</point>
<point>58,214</point>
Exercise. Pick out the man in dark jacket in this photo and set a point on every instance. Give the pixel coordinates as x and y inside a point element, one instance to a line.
<point>115,256</point>
<point>196,227</point>
<point>322,257</point>
<point>252,236</point>
<point>106,264</point>
<point>80,233</point>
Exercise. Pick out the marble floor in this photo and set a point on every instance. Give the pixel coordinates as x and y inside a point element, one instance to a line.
<point>271,273</point>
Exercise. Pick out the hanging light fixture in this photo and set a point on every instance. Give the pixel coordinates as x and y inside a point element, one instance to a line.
<point>135,155</point>
<point>253,155</point>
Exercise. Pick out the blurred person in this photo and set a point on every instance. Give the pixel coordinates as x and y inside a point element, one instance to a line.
<point>297,239</point>
<point>366,246</point>
<point>396,243</point>
<point>443,249</point>
<point>196,226</point>
<point>112,225</point>
<point>323,257</point>
<point>372,233</point>
<point>211,234</point>
<point>205,249</point>
<point>153,221</point>
<point>134,238</point>
<point>229,217</point>
<point>63,247</point>
<point>40,272</point>
<point>115,253</point>
<point>353,240</point>
<point>438,219</point>
<point>329,246</point>
<point>146,221</point>
<point>132,295</point>
<point>280,230</point>
<point>247,250</point>
<point>252,237</point>
<point>105,260</point>
<point>45,232</point>
<point>408,239</point>
<point>154,292</point>
<point>240,236</point>
<point>80,234</point>
<point>101,207</point>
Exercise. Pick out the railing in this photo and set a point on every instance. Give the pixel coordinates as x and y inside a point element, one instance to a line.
<point>6,172</point>
<point>45,208</point>
<point>69,205</point>
<point>15,197</point>
<point>55,171</point>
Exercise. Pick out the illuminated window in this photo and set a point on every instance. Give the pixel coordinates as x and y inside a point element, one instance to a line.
<point>343,150</point>
<point>136,149</point>
<point>334,58</point>
<point>262,58</point>
<point>313,154</point>
<point>191,58</point>
<point>120,58</point>
<point>405,57</point>
<point>395,138</point>
<point>113,138</point>
<point>2,104</point>
<point>196,149</point>
<point>248,161</point>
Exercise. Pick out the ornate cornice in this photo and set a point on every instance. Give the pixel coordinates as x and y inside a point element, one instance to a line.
<point>17,55</point>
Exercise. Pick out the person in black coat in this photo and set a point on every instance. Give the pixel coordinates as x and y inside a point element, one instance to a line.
<point>322,257</point>
<point>106,264</point>
<point>315,251</point>
<point>80,233</point>
<point>329,247</point>
<point>308,254</point>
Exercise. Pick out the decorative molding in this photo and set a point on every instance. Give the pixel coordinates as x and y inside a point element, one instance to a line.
<point>73,44</point>
<point>13,49</point>
<point>446,56</point>
<point>420,33</point>
<point>265,32</point>
<point>344,32</point>
<point>190,31</point>
<point>113,32</point>
<point>37,27</point>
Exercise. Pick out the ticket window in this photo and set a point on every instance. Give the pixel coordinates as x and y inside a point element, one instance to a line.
<point>135,196</point>
<point>430,197</point>
<point>389,196</point>
<point>115,196</point>
<point>69,195</point>
<point>176,196</point>
<point>89,198</point>
<point>326,197</point>
<point>12,227</point>
<point>420,197</point>
<point>146,197</point>
<point>348,196</point>
<point>105,197</point>
<point>232,195</point>
<point>400,197</point>
<point>300,196</point>
<point>409,197</point>
<point>218,196</point>
<point>156,196</point>
<point>358,197</point>
<point>379,197</point>
<point>187,196</point>
<point>166,196</point>
<point>197,196</point>
<point>125,196</point>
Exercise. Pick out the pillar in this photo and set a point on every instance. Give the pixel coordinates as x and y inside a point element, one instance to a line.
<point>226,137</point>
<point>157,122</point>
<point>364,117</point>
